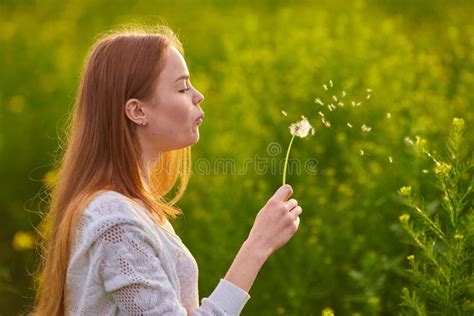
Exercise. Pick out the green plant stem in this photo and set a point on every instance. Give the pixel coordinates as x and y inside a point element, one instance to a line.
<point>286,159</point>
<point>431,224</point>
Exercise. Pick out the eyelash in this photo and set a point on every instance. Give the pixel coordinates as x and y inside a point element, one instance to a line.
<point>184,90</point>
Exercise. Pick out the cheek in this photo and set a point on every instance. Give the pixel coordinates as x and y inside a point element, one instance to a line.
<point>176,116</point>
<point>181,110</point>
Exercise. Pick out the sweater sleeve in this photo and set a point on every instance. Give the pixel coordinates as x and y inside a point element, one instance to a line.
<point>133,275</point>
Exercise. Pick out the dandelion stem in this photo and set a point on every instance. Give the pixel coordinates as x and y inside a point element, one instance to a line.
<point>286,159</point>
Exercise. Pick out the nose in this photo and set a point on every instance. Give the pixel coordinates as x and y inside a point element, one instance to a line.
<point>198,97</point>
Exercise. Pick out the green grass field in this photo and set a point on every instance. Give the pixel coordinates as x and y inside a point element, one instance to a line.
<point>410,65</point>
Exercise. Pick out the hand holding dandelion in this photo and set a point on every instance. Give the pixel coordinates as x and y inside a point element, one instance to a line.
<point>300,129</point>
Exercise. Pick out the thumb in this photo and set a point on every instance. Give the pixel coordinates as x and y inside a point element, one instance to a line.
<point>283,193</point>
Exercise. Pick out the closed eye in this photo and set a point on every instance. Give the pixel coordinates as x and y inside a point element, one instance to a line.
<point>183,90</point>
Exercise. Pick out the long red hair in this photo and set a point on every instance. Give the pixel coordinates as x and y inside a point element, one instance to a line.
<point>102,151</point>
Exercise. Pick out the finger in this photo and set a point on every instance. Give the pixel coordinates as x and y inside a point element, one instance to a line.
<point>291,204</point>
<point>283,193</point>
<point>297,222</point>
<point>296,211</point>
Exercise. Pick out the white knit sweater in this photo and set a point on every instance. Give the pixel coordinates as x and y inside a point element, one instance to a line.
<point>123,263</point>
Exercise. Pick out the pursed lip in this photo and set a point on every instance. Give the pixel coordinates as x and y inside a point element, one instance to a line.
<point>200,118</point>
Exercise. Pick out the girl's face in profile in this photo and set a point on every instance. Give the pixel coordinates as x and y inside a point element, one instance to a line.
<point>173,112</point>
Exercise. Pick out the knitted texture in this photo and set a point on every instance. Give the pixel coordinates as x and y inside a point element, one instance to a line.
<point>123,263</point>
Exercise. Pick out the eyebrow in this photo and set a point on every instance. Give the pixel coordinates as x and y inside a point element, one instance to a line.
<point>182,77</point>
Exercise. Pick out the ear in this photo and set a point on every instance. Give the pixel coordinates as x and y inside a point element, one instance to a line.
<point>135,113</point>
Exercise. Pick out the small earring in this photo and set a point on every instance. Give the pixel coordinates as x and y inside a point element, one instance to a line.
<point>143,123</point>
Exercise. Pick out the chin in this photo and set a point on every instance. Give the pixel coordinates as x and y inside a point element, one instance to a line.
<point>196,140</point>
<point>196,136</point>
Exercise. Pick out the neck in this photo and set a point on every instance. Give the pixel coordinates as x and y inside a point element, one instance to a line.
<point>147,166</point>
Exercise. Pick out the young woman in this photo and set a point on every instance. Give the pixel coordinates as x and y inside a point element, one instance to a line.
<point>109,247</point>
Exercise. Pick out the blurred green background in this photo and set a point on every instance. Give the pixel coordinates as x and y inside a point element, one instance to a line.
<point>253,59</point>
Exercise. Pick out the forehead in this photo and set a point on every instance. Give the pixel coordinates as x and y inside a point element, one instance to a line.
<point>175,65</point>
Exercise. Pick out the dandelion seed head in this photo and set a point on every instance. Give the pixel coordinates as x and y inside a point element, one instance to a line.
<point>301,128</point>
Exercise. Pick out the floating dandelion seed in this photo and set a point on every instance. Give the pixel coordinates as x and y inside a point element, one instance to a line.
<point>358,103</point>
<point>388,115</point>
<point>353,103</point>
<point>349,124</point>
<point>318,101</point>
<point>334,98</point>
<point>325,87</point>
<point>408,141</point>
<point>331,107</point>
<point>343,94</point>
<point>368,96</point>
<point>341,104</point>
<point>326,123</point>
<point>361,152</point>
<point>330,83</point>
<point>284,113</point>
<point>425,170</point>
<point>300,129</point>
<point>321,113</point>
<point>390,159</point>
<point>369,90</point>
<point>366,128</point>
